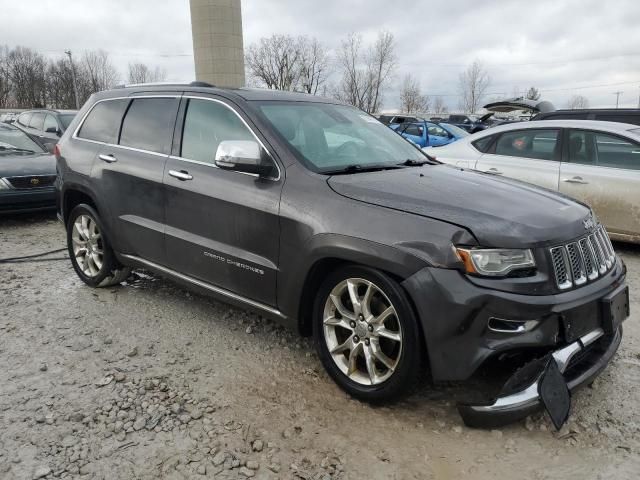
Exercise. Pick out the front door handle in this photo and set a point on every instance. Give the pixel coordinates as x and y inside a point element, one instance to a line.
<point>107,158</point>
<point>494,171</point>
<point>578,180</point>
<point>180,175</point>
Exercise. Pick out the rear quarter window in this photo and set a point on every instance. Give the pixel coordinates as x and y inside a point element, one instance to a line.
<point>483,144</point>
<point>103,122</point>
<point>148,124</point>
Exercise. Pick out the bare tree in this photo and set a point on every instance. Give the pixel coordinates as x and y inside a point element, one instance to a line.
<point>439,106</point>
<point>577,101</point>
<point>27,76</point>
<point>5,78</point>
<point>101,74</point>
<point>314,65</point>
<point>365,75</point>
<point>142,73</point>
<point>275,61</point>
<point>59,81</point>
<point>474,82</point>
<point>411,98</point>
<point>533,94</point>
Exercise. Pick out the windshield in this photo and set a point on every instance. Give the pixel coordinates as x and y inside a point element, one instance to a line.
<point>457,131</point>
<point>65,119</point>
<point>329,137</point>
<point>11,138</point>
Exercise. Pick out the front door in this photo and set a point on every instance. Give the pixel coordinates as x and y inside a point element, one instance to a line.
<point>530,155</point>
<point>222,227</point>
<point>603,171</point>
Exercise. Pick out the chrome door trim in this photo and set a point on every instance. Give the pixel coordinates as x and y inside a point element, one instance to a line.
<point>208,286</point>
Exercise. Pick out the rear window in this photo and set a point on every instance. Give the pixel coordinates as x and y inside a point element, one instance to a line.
<point>148,124</point>
<point>103,122</point>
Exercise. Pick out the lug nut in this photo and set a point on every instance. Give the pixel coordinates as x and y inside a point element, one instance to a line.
<point>353,324</point>
<point>366,341</point>
<point>360,317</point>
<point>371,328</point>
<point>356,339</point>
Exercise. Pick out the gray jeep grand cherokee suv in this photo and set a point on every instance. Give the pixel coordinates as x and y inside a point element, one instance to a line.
<point>316,214</point>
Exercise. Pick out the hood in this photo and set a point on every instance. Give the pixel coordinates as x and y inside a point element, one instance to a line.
<point>23,165</point>
<point>520,103</point>
<point>500,212</point>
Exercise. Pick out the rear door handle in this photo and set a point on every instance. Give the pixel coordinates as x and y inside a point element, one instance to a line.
<point>180,175</point>
<point>575,180</point>
<point>107,158</point>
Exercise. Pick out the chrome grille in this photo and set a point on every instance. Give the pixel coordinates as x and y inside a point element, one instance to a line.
<point>577,263</point>
<point>31,181</point>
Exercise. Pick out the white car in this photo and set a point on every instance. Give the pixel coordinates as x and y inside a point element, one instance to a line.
<point>593,161</point>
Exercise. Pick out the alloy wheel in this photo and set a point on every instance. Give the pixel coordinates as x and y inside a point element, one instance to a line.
<point>87,245</point>
<point>362,331</point>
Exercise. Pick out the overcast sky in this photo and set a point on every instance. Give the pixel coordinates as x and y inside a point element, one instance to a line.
<point>562,47</point>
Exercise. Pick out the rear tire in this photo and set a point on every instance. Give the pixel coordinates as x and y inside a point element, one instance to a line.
<point>366,334</point>
<point>90,251</point>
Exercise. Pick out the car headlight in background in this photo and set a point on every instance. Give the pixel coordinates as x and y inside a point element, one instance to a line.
<point>4,185</point>
<point>495,262</point>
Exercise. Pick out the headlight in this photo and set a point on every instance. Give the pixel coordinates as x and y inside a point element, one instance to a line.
<point>4,185</point>
<point>495,261</point>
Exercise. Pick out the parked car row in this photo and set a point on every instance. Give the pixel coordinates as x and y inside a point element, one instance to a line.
<point>429,134</point>
<point>45,125</point>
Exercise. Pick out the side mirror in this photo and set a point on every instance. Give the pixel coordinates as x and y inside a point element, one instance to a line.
<point>53,130</point>
<point>244,156</point>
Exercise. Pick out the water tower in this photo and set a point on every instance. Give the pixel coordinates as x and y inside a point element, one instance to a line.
<point>218,51</point>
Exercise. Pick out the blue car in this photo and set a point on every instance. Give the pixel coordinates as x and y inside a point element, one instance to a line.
<point>430,134</point>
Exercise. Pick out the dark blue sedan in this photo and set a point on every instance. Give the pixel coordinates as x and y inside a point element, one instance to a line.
<point>27,173</point>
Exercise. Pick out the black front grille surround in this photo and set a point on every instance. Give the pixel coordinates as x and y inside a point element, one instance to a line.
<point>584,260</point>
<point>31,181</point>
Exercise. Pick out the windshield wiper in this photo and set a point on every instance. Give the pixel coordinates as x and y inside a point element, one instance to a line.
<point>409,162</point>
<point>356,168</point>
<point>16,149</point>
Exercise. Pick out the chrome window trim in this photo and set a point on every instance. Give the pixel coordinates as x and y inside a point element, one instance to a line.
<point>197,97</point>
<point>175,157</point>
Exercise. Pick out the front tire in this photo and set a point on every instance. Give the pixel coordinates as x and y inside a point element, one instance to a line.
<point>366,334</point>
<point>89,249</point>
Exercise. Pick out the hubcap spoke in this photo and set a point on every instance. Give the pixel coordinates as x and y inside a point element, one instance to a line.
<point>353,296</point>
<point>386,333</point>
<point>381,356</point>
<point>87,248</point>
<point>371,365</point>
<point>380,319</point>
<point>344,347</point>
<point>366,302</point>
<point>341,308</point>
<point>353,357</point>
<point>338,322</point>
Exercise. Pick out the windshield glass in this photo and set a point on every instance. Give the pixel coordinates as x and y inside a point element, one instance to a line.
<point>11,138</point>
<point>65,119</point>
<point>329,137</point>
<point>457,131</point>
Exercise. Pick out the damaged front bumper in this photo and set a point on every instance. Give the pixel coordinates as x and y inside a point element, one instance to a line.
<point>579,363</point>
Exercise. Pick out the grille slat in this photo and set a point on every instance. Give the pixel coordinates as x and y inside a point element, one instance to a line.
<point>31,181</point>
<point>576,263</point>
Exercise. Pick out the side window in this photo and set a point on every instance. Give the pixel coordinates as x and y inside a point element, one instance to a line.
<point>148,124</point>
<point>536,144</point>
<point>437,131</point>
<point>483,144</point>
<point>103,122</point>
<point>206,124</point>
<point>416,130</point>
<point>50,123</point>
<point>37,120</point>
<point>24,119</point>
<point>581,147</point>
<point>617,152</point>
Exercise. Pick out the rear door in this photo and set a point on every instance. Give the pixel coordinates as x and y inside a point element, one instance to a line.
<point>129,172</point>
<point>530,155</point>
<point>416,133</point>
<point>603,171</point>
<point>438,136</point>
<point>222,227</point>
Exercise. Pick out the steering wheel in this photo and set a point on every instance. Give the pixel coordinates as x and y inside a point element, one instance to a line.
<point>346,146</point>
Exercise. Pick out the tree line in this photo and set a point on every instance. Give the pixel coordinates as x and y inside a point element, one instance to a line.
<point>29,80</point>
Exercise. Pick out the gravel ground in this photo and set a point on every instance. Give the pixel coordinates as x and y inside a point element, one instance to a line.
<point>150,381</point>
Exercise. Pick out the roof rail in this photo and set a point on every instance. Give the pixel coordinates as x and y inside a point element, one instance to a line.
<point>166,84</point>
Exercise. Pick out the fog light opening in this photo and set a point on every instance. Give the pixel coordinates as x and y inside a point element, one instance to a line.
<point>502,325</point>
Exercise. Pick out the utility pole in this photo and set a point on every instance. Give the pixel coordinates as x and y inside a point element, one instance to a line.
<point>73,76</point>
<point>617,94</point>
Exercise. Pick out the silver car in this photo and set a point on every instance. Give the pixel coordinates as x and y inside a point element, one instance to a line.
<point>592,161</point>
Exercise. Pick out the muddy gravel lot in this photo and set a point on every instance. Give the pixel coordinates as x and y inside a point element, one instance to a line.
<point>149,381</point>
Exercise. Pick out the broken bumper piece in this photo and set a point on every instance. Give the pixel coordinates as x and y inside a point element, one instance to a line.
<point>577,364</point>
